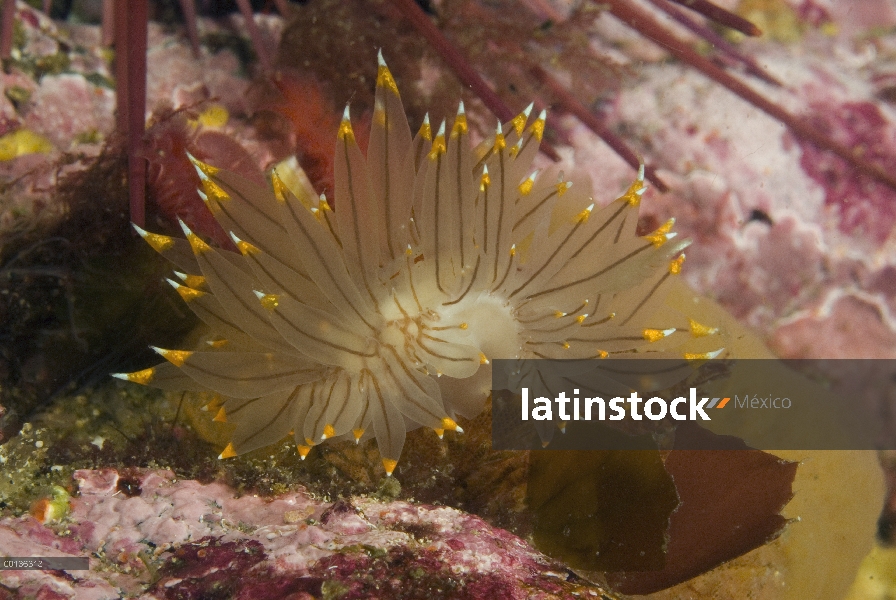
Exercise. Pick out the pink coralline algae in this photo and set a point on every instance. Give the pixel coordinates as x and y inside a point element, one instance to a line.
<point>149,535</point>
<point>785,236</point>
<point>66,106</point>
<point>864,208</point>
<point>69,99</point>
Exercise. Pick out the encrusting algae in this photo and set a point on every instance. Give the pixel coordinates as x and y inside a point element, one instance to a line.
<point>382,315</point>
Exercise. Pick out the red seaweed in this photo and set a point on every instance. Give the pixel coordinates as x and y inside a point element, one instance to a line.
<point>188,7</point>
<point>131,20</point>
<point>261,51</point>
<point>570,104</point>
<point>718,42</point>
<point>304,104</point>
<point>721,16</point>
<point>7,22</point>
<point>460,65</point>
<point>731,499</point>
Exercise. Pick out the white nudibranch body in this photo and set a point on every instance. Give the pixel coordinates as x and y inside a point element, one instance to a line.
<point>437,258</point>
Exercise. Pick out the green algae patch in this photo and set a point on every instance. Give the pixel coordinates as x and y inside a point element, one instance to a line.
<point>26,474</point>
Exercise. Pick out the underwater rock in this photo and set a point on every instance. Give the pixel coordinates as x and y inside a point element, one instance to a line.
<point>827,234</point>
<point>21,459</point>
<point>151,535</point>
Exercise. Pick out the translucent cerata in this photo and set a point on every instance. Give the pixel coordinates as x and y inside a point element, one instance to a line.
<point>382,315</point>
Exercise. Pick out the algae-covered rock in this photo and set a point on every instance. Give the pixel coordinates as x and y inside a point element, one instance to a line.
<point>21,461</point>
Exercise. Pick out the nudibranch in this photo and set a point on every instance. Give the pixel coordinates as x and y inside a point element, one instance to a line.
<point>382,315</point>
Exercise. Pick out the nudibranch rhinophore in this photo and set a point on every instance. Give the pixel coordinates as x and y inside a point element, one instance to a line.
<point>438,257</point>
